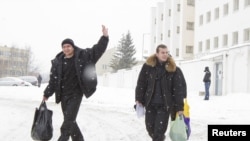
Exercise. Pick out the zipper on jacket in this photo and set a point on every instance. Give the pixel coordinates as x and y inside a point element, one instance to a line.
<point>152,90</point>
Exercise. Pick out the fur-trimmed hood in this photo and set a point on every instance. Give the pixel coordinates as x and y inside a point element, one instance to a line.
<point>170,65</point>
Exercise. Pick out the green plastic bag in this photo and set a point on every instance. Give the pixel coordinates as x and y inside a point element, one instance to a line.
<point>178,129</point>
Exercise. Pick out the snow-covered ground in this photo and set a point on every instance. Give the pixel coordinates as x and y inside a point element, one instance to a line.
<point>109,115</point>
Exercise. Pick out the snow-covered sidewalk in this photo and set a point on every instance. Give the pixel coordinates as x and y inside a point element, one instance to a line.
<point>109,115</point>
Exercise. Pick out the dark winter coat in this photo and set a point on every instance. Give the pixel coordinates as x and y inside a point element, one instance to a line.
<point>207,76</point>
<point>39,78</point>
<point>173,84</point>
<point>85,60</point>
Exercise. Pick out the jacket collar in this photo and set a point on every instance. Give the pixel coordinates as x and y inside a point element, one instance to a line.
<point>170,64</point>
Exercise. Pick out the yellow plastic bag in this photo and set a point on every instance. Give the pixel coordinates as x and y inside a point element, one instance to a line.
<point>186,108</point>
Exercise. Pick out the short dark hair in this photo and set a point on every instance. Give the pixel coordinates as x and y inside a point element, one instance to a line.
<point>160,46</point>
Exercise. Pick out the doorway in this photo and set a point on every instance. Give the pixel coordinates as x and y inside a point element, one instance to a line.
<point>218,78</point>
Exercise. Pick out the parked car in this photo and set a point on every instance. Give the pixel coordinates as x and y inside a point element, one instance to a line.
<point>13,81</point>
<point>32,79</point>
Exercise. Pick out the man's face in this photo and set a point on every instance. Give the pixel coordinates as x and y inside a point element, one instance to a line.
<point>68,50</point>
<point>162,55</point>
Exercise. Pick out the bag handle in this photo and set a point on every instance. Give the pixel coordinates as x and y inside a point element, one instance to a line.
<point>179,116</point>
<point>43,106</point>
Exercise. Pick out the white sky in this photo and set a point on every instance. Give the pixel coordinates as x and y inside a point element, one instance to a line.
<point>109,116</point>
<point>43,24</point>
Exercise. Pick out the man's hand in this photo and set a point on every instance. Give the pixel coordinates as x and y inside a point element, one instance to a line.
<point>45,98</point>
<point>105,31</point>
<point>180,112</point>
<point>137,102</point>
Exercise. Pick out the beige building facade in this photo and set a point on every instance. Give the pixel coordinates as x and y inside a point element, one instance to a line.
<point>13,61</point>
<point>102,66</point>
<point>172,23</point>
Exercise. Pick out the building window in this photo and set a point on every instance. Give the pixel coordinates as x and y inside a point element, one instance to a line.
<point>200,46</point>
<point>169,12</point>
<point>216,42</point>
<point>225,40</point>
<point>247,3</point>
<point>104,67</point>
<point>201,20</point>
<point>6,62</point>
<point>235,38</point>
<point>178,29</point>
<point>225,10</point>
<point>236,5</point>
<point>177,52</point>
<point>162,16</point>
<point>155,20</point>
<point>161,36</point>
<point>208,17</point>
<point>190,2</point>
<point>169,33</point>
<point>189,49</point>
<point>178,7</point>
<point>216,13</point>
<point>247,35</point>
<point>190,25</point>
<point>207,44</point>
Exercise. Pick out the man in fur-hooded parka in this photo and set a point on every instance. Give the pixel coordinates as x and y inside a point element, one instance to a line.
<point>160,87</point>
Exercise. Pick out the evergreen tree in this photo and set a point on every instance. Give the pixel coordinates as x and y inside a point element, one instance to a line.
<point>114,64</point>
<point>123,57</point>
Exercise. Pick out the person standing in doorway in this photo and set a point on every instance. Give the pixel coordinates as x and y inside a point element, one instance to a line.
<point>207,82</point>
<point>73,76</point>
<point>39,80</point>
<point>161,87</point>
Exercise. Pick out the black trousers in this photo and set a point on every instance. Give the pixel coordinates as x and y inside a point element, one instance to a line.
<point>70,106</point>
<point>156,120</point>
